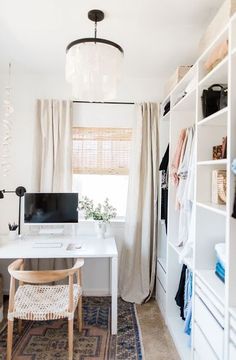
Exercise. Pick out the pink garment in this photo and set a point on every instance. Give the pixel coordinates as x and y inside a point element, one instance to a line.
<point>179,151</point>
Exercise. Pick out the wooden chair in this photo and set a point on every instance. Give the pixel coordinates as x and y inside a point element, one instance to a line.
<point>33,301</point>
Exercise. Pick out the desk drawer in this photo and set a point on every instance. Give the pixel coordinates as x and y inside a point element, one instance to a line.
<point>212,330</point>
<point>161,275</point>
<point>202,349</point>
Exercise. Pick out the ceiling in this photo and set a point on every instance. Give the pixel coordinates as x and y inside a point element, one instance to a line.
<point>156,35</point>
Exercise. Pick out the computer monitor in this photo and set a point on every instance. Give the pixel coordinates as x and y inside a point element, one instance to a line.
<point>50,208</point>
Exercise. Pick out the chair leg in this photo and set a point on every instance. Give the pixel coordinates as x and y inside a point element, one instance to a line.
<point>19,326</point>
<point>70,338</point>
<point>80,315</point>
<point>9,338</point>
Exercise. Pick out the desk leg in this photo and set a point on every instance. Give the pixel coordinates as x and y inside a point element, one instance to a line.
<point>114,288</point>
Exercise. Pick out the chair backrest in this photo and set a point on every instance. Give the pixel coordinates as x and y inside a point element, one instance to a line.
<point>40,277</point>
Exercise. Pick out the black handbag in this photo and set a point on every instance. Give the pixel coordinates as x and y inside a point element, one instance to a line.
<point>214,99</point>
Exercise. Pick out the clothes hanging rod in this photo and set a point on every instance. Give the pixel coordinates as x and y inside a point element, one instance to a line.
<point>105,102</point>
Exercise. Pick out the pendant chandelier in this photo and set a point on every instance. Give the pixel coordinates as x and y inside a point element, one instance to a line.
<point>93,65</point>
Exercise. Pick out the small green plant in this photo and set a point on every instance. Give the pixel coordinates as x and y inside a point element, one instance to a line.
<point>102,212</point>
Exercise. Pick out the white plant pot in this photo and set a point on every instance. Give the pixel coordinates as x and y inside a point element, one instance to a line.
<point>12,234</point>
<point>100,229</point>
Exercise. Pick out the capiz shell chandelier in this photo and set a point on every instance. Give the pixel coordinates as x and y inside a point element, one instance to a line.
<point>93,65</point>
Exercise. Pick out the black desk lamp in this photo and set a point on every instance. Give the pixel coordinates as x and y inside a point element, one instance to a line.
<point>20,192</point>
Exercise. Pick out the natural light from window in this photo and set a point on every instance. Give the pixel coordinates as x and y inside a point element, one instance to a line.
<point>99,187</point>
<point>101,165</point>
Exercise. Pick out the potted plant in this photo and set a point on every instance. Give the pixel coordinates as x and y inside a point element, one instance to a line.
<point>101,213</point>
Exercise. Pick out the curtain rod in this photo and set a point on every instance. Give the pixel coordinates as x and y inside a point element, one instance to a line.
<point>105,102</point>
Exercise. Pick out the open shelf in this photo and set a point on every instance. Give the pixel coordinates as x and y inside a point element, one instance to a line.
<point>186,103</point>
<point>212,162</point>
<point>212,223</point>
<point>187,260</point>
<point>219,209</point>
<point>218,75</point>
<point>166,117</point>
<point>177,249</point>
<point>219,118</point>
<point>216,286</point>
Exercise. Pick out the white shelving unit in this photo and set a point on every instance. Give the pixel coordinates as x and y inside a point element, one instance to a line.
<point>214,302</point>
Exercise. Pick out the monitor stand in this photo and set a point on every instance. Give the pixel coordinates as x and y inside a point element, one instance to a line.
<point>51,231</point>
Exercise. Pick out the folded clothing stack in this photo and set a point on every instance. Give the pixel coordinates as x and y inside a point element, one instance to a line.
<point>220,270</point>
<point>220,261</point>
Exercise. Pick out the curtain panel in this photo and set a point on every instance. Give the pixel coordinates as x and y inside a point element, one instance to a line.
<point>53,158</point>
<point>55,145</point>
<point>138,258</point>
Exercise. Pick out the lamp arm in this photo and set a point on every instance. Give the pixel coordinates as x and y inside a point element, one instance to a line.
<point>20,192</point>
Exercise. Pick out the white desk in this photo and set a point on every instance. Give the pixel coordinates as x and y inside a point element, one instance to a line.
<point>92,247</point>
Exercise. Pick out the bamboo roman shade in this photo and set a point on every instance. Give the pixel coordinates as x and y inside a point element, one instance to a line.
<point>101,150</point>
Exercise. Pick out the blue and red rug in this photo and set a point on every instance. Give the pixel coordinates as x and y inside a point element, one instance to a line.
<point>48,340</point>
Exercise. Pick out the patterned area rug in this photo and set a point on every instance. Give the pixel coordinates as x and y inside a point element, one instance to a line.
<point>47,340</point>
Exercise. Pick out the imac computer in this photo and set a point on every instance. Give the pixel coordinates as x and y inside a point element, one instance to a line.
<point>50,209</point>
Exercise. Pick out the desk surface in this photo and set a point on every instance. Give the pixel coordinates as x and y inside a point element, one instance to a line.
<point>91,247</point>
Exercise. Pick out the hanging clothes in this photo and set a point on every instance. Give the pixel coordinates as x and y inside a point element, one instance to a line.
<point>186,235</point>
<point>185,206</point>
<point>164,186</point>
<point>177,156</point>
<point>179,298</point>
<point>188,302</point>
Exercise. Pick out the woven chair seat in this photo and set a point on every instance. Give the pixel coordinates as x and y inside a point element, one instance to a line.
<point>43,302</point>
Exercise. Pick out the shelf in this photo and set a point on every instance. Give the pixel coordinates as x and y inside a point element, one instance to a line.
<point>219,118</point>
<point>218,75</point>
<point>219,209</point>
<point>213,162</point>
<point>215,285</point>
<point>166,117</point>
<point>181,340</point>
<point>177,249</point>
<point>167,98</point>
<point>187,103</point>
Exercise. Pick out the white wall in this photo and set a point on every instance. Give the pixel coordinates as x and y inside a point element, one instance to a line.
<point>26,89</point>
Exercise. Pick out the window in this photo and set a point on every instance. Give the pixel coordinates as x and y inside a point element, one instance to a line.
<point>101,164</point>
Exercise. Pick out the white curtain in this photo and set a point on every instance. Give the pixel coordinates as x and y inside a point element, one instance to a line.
<point>53,167</point>
<point>55,125</point>
<point>138,258</point>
